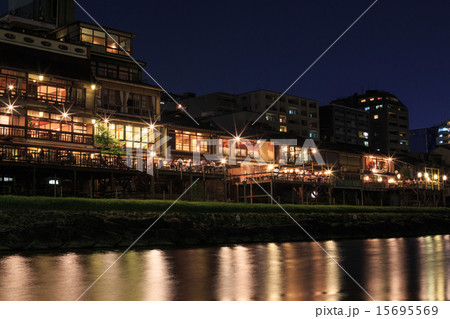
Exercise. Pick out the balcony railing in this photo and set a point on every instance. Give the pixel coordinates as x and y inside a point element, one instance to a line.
<point>52,99</point>
<point>96,160</point>
<point>48,135</point>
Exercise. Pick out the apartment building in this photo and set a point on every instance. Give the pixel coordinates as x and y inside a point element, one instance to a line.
<point>388,120</point>
<point>341,124</point>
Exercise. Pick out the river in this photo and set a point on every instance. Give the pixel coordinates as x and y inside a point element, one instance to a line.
<point>389,269</point>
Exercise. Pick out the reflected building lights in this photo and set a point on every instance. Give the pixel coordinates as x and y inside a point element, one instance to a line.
<point>396,269</point>
<point>16,278</point>
<point>332,272</point>
<point>274,273</point>
<point>157,283</point>
<point>235,274</point>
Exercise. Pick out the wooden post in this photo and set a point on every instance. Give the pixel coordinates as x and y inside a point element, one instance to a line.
<point>91,187</point>
<point>153,186</point>
<point>74,183</point>
<point>244,184</point>
<point>34,180</point>
<point>362,197</point>
<point>251,191</point>
<point>271,192</point>
<point>54,188</point>
<point>330,195</point>
<point>190,190</point>
<point>112,185</point>
<point>225,195</point>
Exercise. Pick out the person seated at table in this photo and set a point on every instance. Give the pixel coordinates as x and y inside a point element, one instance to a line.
<point>70,157</point>
<point>276,172</point>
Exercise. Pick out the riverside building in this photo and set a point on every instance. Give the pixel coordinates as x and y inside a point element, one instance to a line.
<point>78,119</point>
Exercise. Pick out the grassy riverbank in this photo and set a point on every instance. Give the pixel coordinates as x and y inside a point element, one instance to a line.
<point>67,223</point>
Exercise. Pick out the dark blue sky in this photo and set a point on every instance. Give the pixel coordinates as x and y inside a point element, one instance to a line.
<point>402,46</point>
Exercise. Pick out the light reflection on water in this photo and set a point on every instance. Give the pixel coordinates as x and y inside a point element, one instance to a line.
<point>389,269</point>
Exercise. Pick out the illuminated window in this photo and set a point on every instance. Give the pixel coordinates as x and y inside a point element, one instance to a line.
<point>111,44</point>
<point>293,111</point>
<point>51,94</point>
<point>375,117</point>
<point>99,38</point>
<point>313,134</point>
<point>363,101</point>
<point>190,142</point>
<point>86,35</point>
<point>283,119</point>
<point>283,128</point>
<point>270,117</point>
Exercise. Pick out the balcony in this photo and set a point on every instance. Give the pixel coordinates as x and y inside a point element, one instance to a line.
<point>48,135</point>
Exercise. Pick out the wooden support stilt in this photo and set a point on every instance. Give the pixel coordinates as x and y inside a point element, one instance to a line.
<point>74,183</point>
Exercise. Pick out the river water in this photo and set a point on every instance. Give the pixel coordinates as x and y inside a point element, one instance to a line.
<point>389,269</point>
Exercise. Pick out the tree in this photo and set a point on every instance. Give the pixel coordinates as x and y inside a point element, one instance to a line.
<point>106,141</point>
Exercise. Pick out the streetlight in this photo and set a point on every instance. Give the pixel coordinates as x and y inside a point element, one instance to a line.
<point>444,178</point>
<point>223,161</point>
<point>419,175</point>
<point>399,176</point>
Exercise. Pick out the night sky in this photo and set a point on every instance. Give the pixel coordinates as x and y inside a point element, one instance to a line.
<point>205,46</point>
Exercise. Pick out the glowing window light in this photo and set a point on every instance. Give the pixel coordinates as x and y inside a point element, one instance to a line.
<point>53,181</point>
